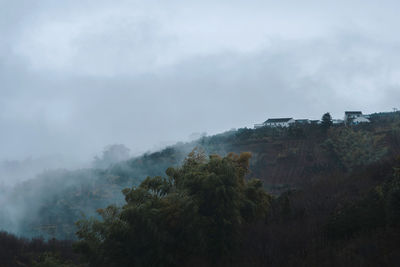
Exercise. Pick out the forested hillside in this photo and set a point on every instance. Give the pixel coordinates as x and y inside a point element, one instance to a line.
<point>326,195</point>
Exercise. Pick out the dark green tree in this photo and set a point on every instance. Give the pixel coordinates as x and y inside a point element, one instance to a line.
<point>195,213</point>
<point>326,121</point>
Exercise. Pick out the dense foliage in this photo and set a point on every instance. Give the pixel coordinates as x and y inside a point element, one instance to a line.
<point>197,212</point>
<point>335,203</point>
<point>326,121</point>
<point>52,202</point>
<point>16,252</point>
<point>355,148</point>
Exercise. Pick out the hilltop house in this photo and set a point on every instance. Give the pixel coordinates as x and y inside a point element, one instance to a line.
<point>279,122</point>
<point>349,115</point>
<point>359,120</point>
<point>355,117</point>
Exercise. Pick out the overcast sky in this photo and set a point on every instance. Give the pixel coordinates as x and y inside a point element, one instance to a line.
<point>76,76</point>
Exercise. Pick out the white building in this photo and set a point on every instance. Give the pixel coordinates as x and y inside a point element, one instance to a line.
<point>355,117</point>
<point>279,122</point>
<point>359,120</point>
<point>349,115</point>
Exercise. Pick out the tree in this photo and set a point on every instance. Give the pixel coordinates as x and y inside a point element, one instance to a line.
<point>195,213</point>
<point>326,121</point>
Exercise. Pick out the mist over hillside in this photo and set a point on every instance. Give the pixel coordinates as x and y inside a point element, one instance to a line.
<point>16,171</point>
<point>282,158</point>
<point>55,196</point>
<point>199,133</point>
<point>295,165</point>
<point>49,202</point>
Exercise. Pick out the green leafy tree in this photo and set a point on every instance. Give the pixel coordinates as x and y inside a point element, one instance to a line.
<point>326,121</point>
<point>195,213</point>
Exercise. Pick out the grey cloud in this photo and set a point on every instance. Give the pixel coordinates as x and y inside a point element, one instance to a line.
<point>160,73</point>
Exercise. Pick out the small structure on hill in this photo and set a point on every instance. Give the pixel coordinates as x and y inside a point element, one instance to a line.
<point>279,122</point>
<point>355,117</point>
<point>348,115</point>
<point>359,120</point>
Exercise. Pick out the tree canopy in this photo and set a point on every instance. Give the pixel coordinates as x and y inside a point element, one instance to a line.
<point>196,212</point>
<point>326,121</point>
<point>355,148</point>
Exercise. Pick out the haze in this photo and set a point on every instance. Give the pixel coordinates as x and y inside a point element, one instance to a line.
<point>76,76</point>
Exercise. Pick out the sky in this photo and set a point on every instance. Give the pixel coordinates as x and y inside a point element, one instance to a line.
<point>76,76</point>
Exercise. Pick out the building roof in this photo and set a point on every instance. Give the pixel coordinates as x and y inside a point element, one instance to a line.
<point>278,120</point>
<point>361,119</point>
<point>353,112</point>
<point>303,120</point>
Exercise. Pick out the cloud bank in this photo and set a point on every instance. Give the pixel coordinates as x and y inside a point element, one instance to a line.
<point>78,75</point>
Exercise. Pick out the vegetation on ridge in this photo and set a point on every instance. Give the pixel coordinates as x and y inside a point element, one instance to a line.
<point>333,200</point>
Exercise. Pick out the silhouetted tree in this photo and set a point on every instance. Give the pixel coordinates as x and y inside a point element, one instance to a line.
<point>197,212</point>
<point>326,121</point>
